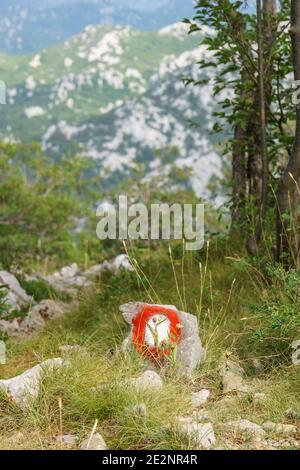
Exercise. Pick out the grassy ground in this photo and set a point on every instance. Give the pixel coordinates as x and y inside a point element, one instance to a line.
<point>224,292</point>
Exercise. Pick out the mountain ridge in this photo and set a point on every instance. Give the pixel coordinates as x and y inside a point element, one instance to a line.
<point>115,95</point>
<point>28,26</point>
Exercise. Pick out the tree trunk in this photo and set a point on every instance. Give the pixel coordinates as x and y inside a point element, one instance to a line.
<point>288,195</point>
<point>238,174</point>
<point>257,150</point>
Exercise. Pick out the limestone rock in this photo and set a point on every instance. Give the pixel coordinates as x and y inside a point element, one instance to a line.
<point>2,353</point>
<point>122,262</point>
<point>232,376</point>
<point>50,309</point>
<point>201,433</point>
<point>10,327</point>
<point>246,429</point>
<point>190,352</point>
<point>199,399</point>
<point>16,297</point>
<point>70,271</point>
<point>96,442</point>
<point>68,440</point>
<point>67,280</point>
<point>148,380</point>
<point>35,319</point>
<point>32,322</point>
<point>24,388</point>
<point>279,428</point>
<point>119,262</point>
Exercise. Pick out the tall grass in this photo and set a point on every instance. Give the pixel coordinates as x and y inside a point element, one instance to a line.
<point>218,286</point>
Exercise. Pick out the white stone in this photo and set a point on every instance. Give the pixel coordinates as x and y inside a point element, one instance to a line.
<point>232,376</point>
<point>35,319</point>
<point>34,111</point>
<point>50,309</point>
<point>16,296</point>
<point>279,428</point>
<point>291,414</point>
<point>69,440</point>
<point>2,353</point>
<point>94,270</point>
<point>202,433</point>
<point>68,279</point>
<point>122,261</point>
<point>198,399</point>
<point>148,380</point>
<point>119,262</point>
<point>96,442</point>
<point>70,271</point>
<point>246,428</point>
<point>24,388</point>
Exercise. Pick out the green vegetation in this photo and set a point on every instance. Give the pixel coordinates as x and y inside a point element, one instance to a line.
<point>40,290</point>
<point>42,203</point>
<point>3,306</point>
<point>243,290</point>
<point>224,295</point>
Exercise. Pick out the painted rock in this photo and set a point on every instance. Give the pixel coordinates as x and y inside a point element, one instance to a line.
<point>160,332</point>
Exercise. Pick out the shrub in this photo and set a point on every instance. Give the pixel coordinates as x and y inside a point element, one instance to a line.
<point>40,290</point>
<point>278,317</point>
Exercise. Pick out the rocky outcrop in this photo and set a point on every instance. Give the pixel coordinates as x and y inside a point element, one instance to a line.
<point>67,281</point>
<point>16,297</point>
<point>35,319</point>
<point>71,278</point>
<point>120,262</point>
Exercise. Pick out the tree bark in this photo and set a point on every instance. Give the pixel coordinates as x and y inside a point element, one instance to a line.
<point>288,195</point>
<point>238,174</point>
<point>258,152</point>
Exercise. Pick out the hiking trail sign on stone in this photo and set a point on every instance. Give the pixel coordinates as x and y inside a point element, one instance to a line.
<point>162,333</point>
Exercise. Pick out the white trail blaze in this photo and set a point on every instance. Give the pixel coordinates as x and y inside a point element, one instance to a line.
<point>157,330</point>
